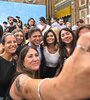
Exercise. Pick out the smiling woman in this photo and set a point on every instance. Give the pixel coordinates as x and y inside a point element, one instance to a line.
<point>7,63</point>
<point>51,53</point>
<point>28,61</point>
<point>67,44</point>
<point>28,64</point>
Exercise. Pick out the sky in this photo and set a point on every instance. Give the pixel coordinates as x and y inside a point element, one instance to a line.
<point>24,11</point>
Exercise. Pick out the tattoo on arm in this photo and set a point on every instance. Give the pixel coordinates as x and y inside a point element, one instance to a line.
<point>18,85</point>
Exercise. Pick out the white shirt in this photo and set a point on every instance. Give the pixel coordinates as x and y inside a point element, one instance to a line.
<point>41,27</point>
<point>51,59</point>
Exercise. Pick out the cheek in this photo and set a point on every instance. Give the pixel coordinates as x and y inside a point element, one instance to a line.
<point>71,37</point>
<point>62,38</point>
<point>27,63</point>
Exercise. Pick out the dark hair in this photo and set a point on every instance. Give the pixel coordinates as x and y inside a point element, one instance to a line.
<point>5,35</point>
<point>21,58</point>
<point>63,51</point>
<point>21,26</point>
<point>42,19</point>
<point>80,21</point>
<point>5,22</point>
<point>32,30</point>
<point>1,31</point>
<point>45,37</point>
<point>29,20</point>
<point>9,17</point>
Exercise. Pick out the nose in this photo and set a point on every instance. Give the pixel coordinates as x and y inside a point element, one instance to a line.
<point>38,38</point>
<point>35,58</point>
<point>19,36</point>
<point>66,36</point>
<point>13,43</point>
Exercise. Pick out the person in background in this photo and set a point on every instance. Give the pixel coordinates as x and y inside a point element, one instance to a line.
<point>74,28</point>
<point>61,23</point>
<point>68,25</point>
<point>31,22</point>
<point>1,33</point>
<point>20,36</point>
<point>5,25</point>
<point>56,31</point>
<point>26,31</point>
<point>20,41</point>
<point>42,25</point>
<point>7,63</point>
<point>73,83</point>
<point>11,26</point>
<point>82,30</point>
<point>51,53</point>
<point>80,22</point>
<point>54,23</point>
<point>19,24</point>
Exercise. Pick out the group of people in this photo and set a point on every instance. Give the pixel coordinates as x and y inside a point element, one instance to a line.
<point>46,62</point>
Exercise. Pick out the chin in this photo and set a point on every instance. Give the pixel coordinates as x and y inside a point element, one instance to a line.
<point>35,69</point>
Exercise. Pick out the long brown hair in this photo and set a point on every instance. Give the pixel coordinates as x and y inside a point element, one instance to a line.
<point>20,66</point>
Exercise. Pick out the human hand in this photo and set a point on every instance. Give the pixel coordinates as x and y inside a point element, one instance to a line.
<point>75,75</point>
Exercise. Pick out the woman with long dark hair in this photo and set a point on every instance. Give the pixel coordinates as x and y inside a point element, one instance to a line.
<point>51,53</point>
<point>67,42</point>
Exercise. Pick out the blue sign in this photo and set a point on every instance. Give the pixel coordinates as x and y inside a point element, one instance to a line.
<point>24,11</point>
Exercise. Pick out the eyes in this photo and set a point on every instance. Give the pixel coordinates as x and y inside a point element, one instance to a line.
<point>33,55</point>
<point>50,36</point>
<point>9,42</point>
<point>66,33</point>
<point>39,36</point>
<point>17,35</point>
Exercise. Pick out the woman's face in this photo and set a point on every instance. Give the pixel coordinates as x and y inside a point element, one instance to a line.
<point>31,22</point>
<point>20,37</point>
<point>31,60</point>
<point>66,36</point>
<point>10,44</point>
<point>50,38</point>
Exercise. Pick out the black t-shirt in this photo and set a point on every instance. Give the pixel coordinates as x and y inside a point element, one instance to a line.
<point>7,69</point>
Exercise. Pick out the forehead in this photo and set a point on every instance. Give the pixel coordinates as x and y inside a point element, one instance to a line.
<point>31,51</point>
<point>17,33</point>
<point>63,31</point>
<point>10,37</point>
<point>31,20</point>
<point>11,18</point>
<point>37,33</point>
<point>50,33</point>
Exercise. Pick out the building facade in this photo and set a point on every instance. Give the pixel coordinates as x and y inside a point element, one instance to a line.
<point>63,9</point>
<point>72,10</point>
<point>84,10</point>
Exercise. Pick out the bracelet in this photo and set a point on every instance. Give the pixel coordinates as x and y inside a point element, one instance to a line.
<point>39,94</point>
<point>81,47</point>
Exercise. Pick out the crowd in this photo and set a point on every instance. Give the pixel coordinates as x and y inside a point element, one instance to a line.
<point>36,59</point>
